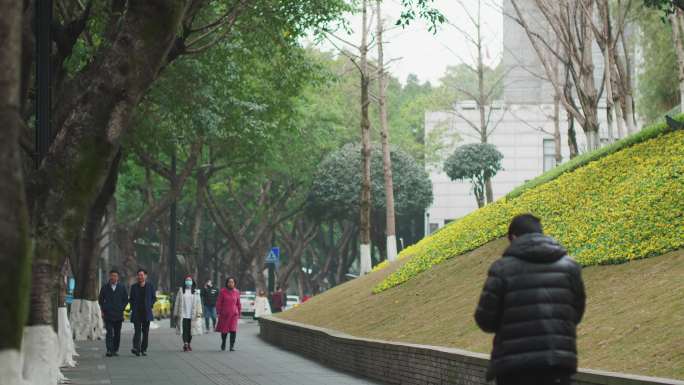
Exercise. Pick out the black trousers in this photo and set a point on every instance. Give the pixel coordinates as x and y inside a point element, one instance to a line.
<point>187,334</point>
<point>113,335</point>
<point>542,378</point>
<point>142,329</point>
<point>233,335</point>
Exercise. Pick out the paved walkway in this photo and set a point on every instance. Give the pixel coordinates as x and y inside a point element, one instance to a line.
<point>254,363</point>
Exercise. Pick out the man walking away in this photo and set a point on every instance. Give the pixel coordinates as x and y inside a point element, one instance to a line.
<point>113,300</point>
<point>533,300</point>
<point>209,294</point>
<point>142,299</point>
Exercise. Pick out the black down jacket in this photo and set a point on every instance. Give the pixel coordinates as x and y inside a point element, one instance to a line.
<point>533,300</point>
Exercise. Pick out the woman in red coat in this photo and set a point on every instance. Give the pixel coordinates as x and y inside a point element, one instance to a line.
<point>228,308</point>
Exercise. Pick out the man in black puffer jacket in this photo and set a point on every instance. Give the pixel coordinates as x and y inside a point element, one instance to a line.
<point>533,300</point>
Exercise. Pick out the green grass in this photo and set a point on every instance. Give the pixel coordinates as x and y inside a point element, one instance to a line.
<point>634,321</point>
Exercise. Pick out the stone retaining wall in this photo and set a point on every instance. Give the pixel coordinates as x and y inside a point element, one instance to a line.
<point>400,363</point>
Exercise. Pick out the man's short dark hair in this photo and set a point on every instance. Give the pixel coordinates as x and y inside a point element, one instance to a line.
<point>143,270</point>
<point>113,271</point>
<point>524,224</point>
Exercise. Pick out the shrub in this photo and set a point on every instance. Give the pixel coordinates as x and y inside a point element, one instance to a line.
<point>614,209</point>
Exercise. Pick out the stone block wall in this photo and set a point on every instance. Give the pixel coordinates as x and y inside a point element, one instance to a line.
<point>406,364</point>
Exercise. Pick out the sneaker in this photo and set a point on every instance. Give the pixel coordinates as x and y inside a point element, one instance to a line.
<point>109,354</point>
<point>144,354</point>
<point>115,354</point>
<point>137,353</point>
<point>189,347</point>
<point>232,349</point>
<point>185,347</point>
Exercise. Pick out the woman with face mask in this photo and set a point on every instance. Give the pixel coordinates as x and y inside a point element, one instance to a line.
<point>188,312</point>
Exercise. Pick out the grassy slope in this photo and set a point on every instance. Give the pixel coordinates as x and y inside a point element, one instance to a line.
<point>634,321</point>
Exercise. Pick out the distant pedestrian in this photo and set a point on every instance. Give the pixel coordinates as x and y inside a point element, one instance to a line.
<point>278,300</point>
<point>113,299</point>
<point>261,305</point>
<point>229,308</point>
<point>142,298</point>
<point>533,300</point>
<point>188,312</point>
<point>209,294</point>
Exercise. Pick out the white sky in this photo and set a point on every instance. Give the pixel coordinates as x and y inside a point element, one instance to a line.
<point>428,55</point>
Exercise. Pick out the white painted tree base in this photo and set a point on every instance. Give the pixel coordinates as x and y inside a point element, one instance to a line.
<point>86,320</point>
<point>11,368</point>
<point>41,356</point>
<point>365,265</point>
<point>67,349</point>
<point>392,248</point>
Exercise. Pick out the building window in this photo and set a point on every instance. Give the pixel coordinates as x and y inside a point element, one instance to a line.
<point>549,154</point>
<point>433,227</point>
<point>447,221</point>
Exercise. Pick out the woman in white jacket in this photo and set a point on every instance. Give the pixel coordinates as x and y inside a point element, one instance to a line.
<point>261,305</point>
<point>188,312</point>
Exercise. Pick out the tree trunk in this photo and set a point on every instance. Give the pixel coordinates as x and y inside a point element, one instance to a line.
<point>386,159</point>
<point>90,246</point>
<point>677,20</point>
<point>365,211</point>
<point>558,153</point>
<point>95,113</point>
<point>15,250</point>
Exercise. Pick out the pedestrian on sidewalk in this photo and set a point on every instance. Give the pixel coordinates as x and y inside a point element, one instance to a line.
<point>142,298</point>
<point>209,294</point>
<point>533,300</point>
<point>261,305</point>
<point>113,299</point>
<point>188,312</point>
<point>229,309</point>
<point>278,300</point>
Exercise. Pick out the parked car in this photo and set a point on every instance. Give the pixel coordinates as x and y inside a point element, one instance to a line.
<point>292,301</point>
<point>161,309</point>
<point>247,301</point>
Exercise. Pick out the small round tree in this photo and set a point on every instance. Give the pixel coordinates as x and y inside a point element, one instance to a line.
<point>336,189</point>
<point>476,162</point>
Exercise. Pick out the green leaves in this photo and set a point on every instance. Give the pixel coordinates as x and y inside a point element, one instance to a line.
<point>336,187</point>
<point>476,162</point>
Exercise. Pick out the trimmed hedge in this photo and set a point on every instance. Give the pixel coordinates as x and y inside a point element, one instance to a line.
<point>608,207</point>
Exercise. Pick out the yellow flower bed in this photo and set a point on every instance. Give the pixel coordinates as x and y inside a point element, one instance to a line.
<point>624,206</point>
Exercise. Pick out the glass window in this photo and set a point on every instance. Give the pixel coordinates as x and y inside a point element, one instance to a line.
<point>433,227</point>
<point>549,154</point>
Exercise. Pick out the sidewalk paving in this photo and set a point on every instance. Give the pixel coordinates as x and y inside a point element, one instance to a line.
<point>254,363</point>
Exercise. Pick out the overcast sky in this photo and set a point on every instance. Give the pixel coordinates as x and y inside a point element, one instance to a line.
<point>428,55</point>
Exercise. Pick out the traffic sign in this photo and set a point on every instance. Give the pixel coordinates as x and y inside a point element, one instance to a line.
<point>273,256</point>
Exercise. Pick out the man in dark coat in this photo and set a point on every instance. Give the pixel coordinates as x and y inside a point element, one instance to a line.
<point>278,300</point>
<point>142,298</point>
<point>533,300</point>
<point>209,294</point>
<point>113,300</point>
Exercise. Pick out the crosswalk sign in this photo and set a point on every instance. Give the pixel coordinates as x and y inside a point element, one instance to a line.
<point>273,256</point>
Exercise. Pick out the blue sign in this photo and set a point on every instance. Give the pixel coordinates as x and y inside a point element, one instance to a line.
<point>72,284</point>
<point>69,299</point>
<point>273,256</point>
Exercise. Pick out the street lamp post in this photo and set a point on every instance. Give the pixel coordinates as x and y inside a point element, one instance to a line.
<point>43,22</point>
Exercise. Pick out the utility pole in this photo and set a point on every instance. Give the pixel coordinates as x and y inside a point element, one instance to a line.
<point>172,229</point>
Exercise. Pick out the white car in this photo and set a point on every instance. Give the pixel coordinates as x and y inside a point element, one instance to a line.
<point>292,301</point>
<point>247,302</point>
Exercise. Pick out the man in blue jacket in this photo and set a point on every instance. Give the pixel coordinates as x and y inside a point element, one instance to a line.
<point>142,299</point>
<point>113,299</point>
